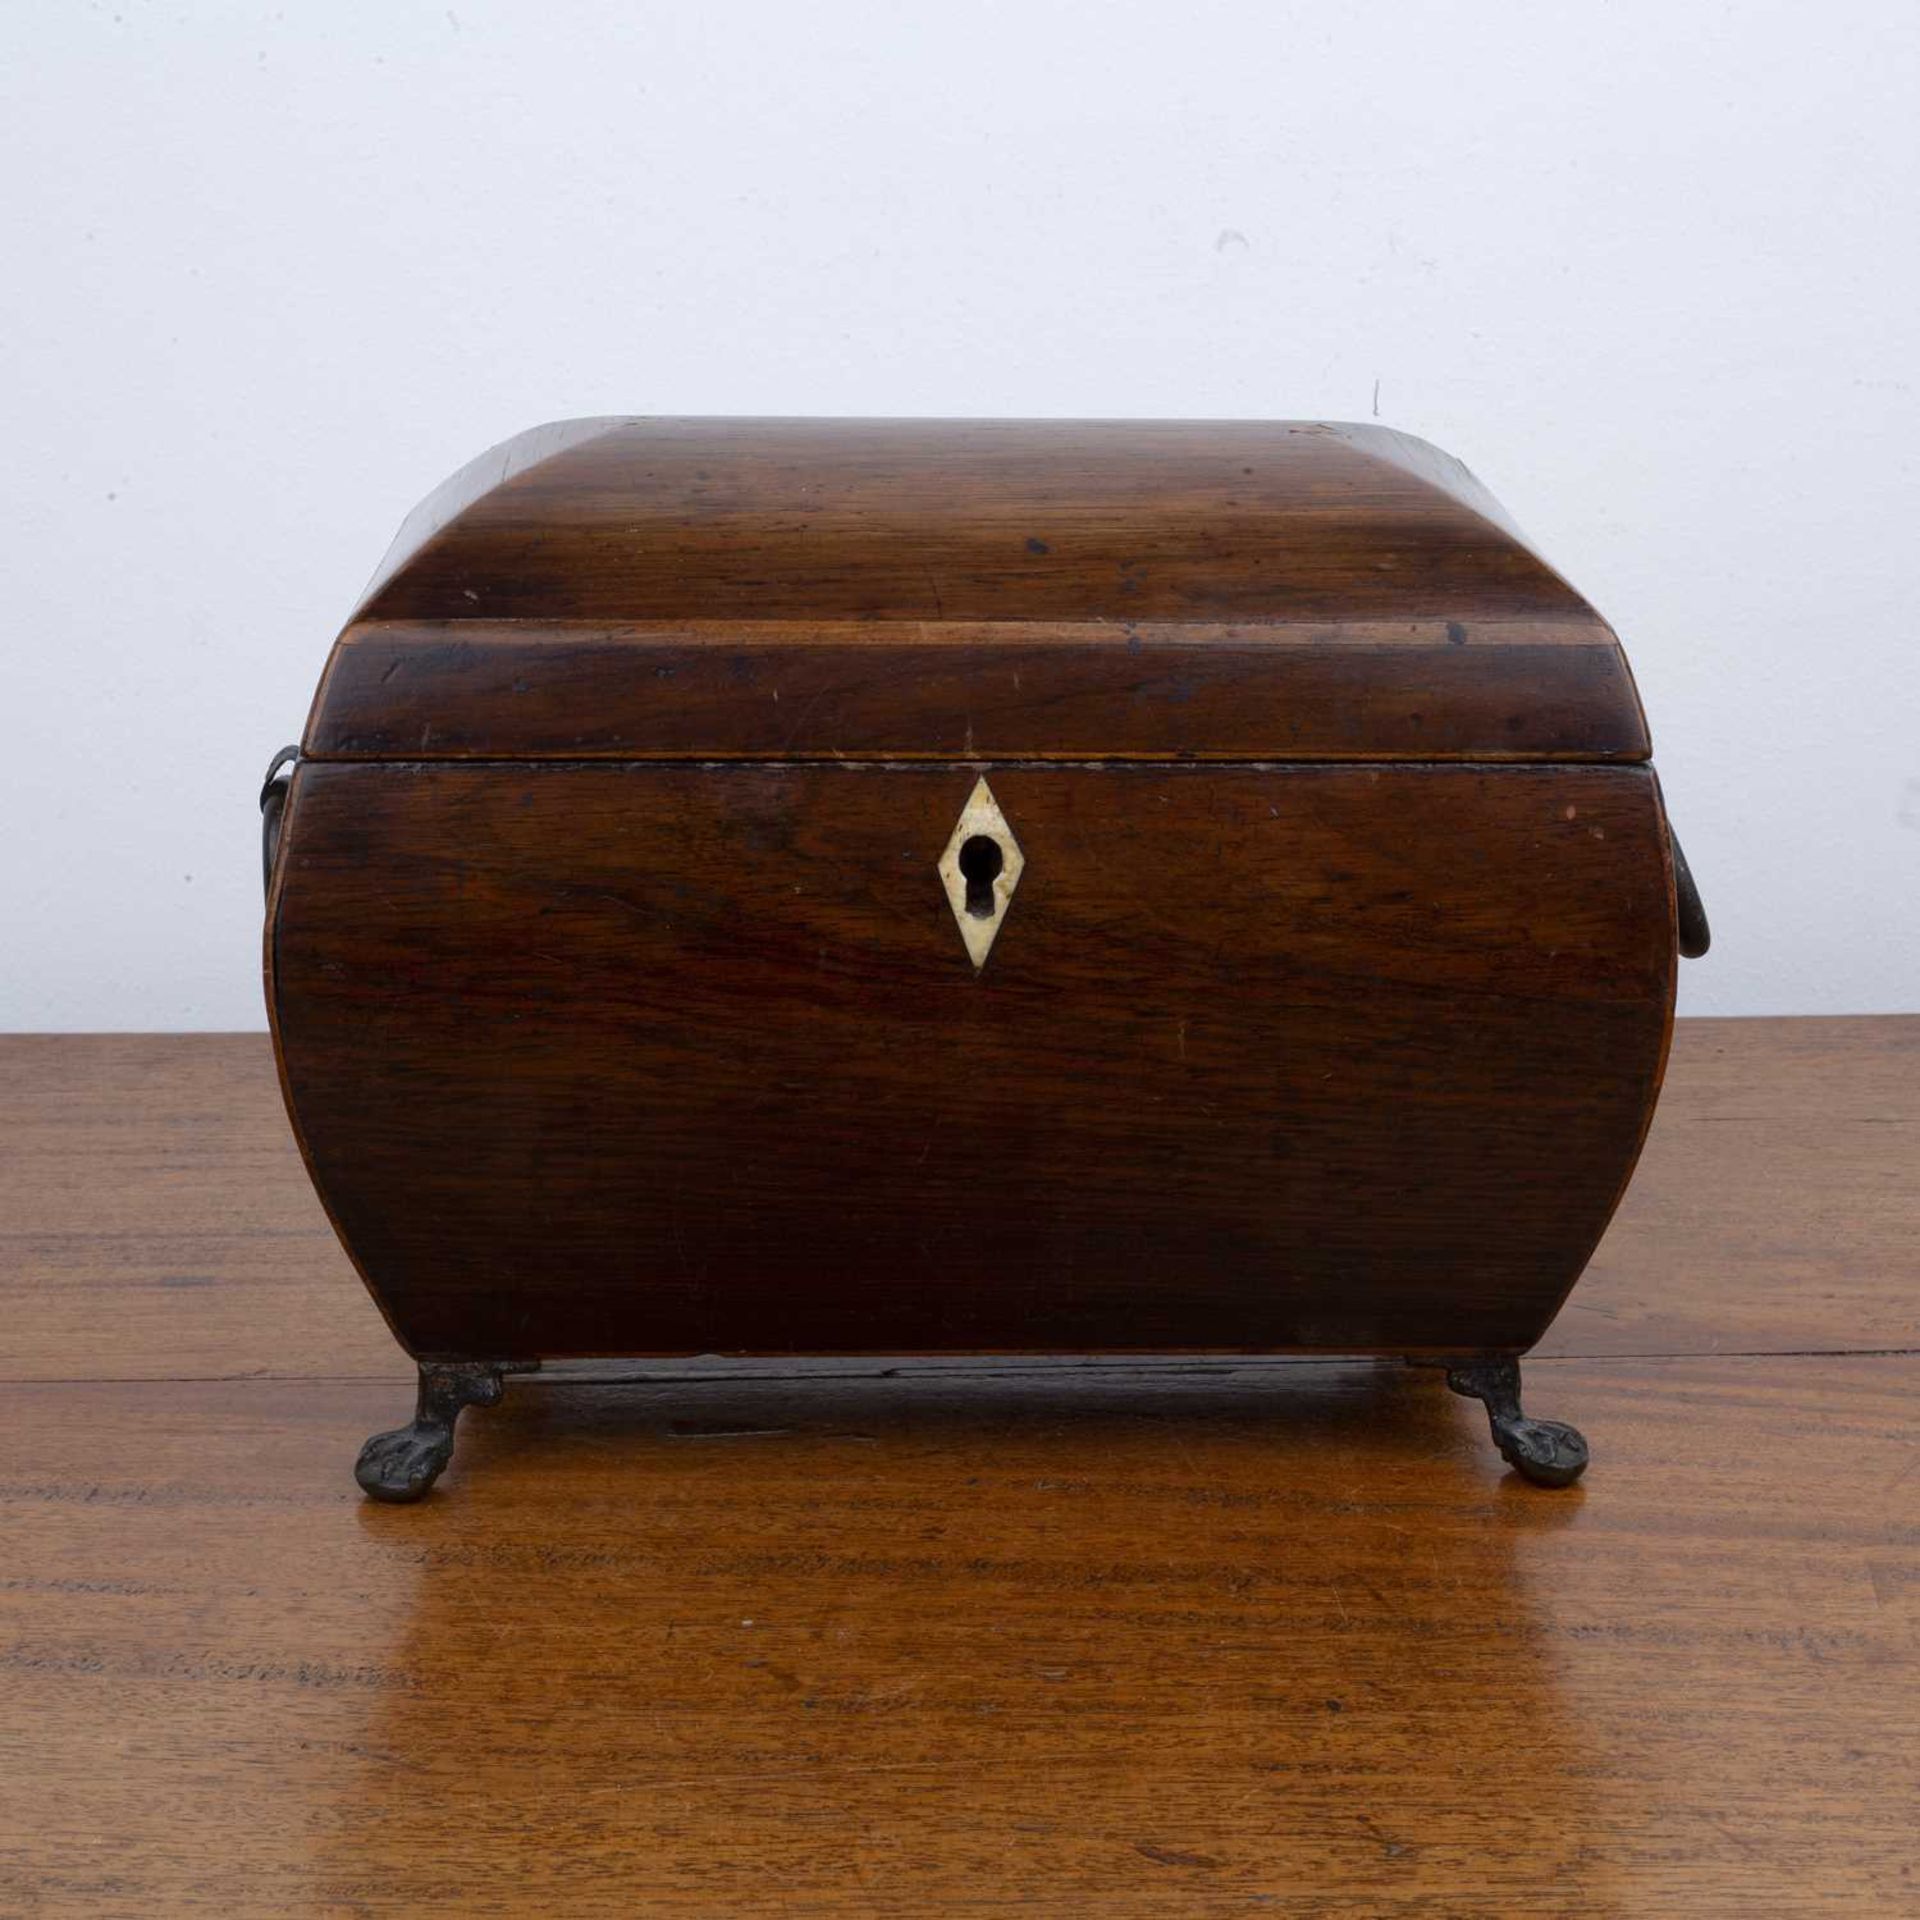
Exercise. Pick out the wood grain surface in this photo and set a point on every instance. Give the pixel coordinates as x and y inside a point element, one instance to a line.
<point>973,520</point>
<point>967,1637</point>
<point>1488,691</point>
<point>1162,589</point>
<point>618,1060</point>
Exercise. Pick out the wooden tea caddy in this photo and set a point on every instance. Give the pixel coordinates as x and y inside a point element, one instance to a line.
<point>910,887</point>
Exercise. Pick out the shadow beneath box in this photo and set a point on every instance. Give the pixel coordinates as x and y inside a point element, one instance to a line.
<point>720,1631</point>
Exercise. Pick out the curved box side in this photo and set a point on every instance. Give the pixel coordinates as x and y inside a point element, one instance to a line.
<point>638,1059</point>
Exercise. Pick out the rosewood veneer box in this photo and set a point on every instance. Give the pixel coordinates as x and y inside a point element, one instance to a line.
<point>917,887</point>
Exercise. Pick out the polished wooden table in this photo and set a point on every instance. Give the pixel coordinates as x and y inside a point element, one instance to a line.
<point>1273,1637</point>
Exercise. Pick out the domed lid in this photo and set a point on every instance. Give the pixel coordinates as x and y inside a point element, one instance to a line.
<point>970,589</point>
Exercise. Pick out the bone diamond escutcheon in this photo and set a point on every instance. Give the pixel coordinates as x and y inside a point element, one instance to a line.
<point>980,869</point>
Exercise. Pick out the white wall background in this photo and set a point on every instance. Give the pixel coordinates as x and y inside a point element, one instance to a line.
<point>269,272</point>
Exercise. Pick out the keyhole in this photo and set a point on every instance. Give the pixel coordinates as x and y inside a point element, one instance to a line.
<point>980,864</point>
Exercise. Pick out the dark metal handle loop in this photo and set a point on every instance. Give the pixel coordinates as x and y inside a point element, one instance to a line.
<point>1695,935</point>
<point>273,803</point>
